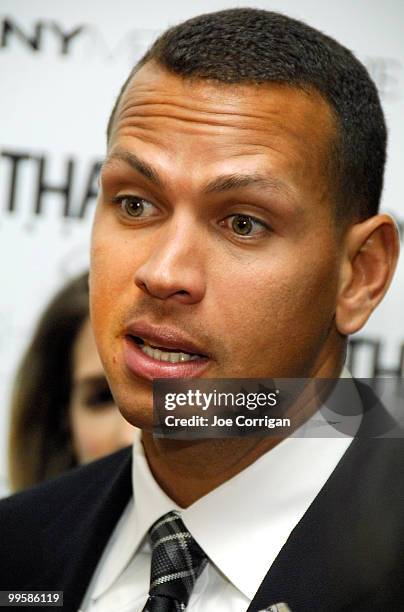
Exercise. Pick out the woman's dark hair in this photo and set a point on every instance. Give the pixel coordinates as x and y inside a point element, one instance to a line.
<point>246,45</point>
<point>40,444</point>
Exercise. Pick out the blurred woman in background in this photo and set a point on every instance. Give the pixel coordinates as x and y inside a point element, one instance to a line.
<point>62,411</point>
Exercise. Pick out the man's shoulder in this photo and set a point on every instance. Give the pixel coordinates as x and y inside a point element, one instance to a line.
<point>44,528</point>
<point>53,534</point>
<point>40,504</point>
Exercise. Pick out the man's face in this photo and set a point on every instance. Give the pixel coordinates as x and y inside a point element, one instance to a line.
<point>214,249</point>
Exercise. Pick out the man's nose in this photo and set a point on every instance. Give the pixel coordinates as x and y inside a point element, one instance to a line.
<point>173,268</point>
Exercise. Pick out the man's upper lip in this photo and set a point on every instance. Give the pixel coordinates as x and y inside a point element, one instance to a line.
<point>165,337</point>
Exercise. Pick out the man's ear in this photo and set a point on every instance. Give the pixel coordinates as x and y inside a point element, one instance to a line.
<point>369,260</point>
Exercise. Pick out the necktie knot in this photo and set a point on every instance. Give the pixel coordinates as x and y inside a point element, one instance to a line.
<point>177,561</point>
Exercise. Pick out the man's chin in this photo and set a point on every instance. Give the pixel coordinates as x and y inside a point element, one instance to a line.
<point>138,415</point>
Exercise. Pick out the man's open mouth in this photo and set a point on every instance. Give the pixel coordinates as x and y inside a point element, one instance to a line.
<point>161,353</point>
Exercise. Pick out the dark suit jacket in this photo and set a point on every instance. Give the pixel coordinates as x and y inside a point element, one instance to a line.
<point>346,553</point>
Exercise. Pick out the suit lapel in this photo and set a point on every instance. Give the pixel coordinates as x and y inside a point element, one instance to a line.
<point>94,514</point>
<point>328,561</point>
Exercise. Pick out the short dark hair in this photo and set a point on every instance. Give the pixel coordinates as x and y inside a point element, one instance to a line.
<point>247,45</point>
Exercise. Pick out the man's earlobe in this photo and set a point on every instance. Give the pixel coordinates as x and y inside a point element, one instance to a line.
<point>369,261</point>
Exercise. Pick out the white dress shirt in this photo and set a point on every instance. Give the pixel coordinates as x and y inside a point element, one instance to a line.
<point>241,525</point>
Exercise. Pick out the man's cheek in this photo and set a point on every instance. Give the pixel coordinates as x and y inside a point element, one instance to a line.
<point>259,297</point>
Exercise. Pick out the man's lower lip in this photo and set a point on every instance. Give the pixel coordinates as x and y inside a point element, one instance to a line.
<point>146,367</point>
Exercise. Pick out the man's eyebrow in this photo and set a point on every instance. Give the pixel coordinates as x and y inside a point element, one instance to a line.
<point>237,181</point>
<point>136,164</point>
<point>219,184</point>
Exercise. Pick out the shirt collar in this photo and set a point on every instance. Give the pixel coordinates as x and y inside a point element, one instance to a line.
<point>149,504</point>
<point>150,500</point>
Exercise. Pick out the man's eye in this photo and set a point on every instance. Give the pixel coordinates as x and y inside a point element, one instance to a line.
<point>133,206</point>
<point>244,225</point>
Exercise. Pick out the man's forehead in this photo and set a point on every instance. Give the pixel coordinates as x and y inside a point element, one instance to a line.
<point>271,136</point>
<point>153,92</point>
<point>152,78</point>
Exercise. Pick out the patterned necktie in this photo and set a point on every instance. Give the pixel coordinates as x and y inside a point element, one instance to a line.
<point>177,561</point>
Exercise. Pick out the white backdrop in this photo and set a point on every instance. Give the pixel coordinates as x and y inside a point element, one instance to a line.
<point>61,66</point>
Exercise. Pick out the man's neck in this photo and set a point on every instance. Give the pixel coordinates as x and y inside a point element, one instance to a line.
<point>188,470</point>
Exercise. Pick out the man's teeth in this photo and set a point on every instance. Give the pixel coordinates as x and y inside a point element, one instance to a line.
<point>162,355</point>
